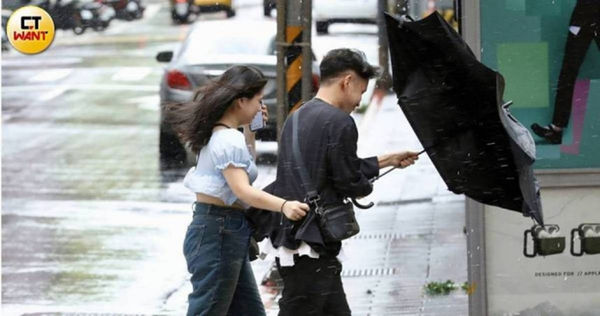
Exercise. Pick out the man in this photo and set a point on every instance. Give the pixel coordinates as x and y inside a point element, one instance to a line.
<point>583,28</point>
<point>327,137</point>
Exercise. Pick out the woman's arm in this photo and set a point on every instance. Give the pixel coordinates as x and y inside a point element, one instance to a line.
<point>238,181</point>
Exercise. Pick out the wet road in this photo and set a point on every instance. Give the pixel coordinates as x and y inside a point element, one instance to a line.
<point>89,224</point>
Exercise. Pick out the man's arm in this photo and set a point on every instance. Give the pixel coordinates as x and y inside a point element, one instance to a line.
<point>399,160</point>
<point>349,174</point>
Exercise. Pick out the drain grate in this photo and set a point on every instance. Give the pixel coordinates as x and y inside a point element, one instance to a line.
<point>384,236</point>
<point>392,236</point>
<point>353,273</point>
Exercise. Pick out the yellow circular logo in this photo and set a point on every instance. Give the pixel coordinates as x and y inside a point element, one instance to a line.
<point>30,30</point>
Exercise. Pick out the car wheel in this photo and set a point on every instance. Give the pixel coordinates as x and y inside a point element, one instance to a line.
<point>100,27</point>
<point>138,14</point>
<point>230,13</point>
<point>179,19</point>
<point>78,29</point>
<point>171,151</point>
<point>322,27</point>
<point>129,16</point>
<point>267,10</point>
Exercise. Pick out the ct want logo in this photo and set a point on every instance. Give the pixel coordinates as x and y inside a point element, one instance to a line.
<point>30,30</point>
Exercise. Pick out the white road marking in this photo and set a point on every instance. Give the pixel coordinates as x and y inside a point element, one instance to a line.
<point>20,62</point>
<point>149,103</point>
<point>131,73</point>
<point>51,75</point>
<point>52,94</point>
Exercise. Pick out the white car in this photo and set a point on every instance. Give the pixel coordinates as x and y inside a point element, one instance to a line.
<point>326,12</point>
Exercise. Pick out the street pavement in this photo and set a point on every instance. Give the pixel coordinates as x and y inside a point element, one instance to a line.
<point>91,225</point>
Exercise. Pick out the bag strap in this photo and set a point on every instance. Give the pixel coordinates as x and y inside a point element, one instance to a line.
<point>312,196</point>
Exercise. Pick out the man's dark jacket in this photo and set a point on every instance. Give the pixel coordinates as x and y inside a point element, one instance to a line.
<point>327,139</point>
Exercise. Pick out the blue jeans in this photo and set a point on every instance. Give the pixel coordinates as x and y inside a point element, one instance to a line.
<point>216,252</point>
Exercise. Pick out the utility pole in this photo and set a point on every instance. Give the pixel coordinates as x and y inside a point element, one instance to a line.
<point>384,83</point>
<point>294,62</point>
<point>307,82</point>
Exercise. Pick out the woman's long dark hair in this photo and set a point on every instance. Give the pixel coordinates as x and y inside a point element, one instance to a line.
<point>193,121</point>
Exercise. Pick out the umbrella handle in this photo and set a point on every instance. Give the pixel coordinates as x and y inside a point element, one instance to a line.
<point>362,206</point>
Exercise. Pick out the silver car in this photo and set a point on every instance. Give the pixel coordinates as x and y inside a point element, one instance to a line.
<point>208,50</point>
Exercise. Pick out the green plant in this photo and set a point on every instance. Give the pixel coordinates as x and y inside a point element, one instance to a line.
<point>444,288</point>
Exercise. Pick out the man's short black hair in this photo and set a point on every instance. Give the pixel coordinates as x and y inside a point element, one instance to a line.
<point>339,60</point>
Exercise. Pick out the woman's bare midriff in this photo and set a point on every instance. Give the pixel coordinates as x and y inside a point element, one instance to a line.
<point>203,198</point>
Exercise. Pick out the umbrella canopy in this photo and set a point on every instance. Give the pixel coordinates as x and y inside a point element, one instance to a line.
<point>454,104</point>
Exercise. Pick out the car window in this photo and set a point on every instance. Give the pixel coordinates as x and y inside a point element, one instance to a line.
<point>201,43</point>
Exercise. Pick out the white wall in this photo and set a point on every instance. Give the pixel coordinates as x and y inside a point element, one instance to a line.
<point>515,286</point>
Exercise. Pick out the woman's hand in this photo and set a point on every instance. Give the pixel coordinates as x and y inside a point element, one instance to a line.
<point>294,210</point>
<point>237,180</point>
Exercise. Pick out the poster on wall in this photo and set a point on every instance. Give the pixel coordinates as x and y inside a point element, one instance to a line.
<point>549,53</point>
<point>553,271</point>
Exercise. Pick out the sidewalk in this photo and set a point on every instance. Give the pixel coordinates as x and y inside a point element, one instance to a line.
<point>414,234</point>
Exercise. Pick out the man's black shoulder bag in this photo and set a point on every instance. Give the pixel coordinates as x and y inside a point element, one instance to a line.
<point>336,222</point>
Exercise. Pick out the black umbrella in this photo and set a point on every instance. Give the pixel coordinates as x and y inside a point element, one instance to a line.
<point>454,104</point>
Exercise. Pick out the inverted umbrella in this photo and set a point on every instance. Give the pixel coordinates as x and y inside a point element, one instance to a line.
<point>454,104</point>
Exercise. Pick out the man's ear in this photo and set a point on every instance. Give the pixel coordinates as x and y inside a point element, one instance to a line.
<point>345,82</point>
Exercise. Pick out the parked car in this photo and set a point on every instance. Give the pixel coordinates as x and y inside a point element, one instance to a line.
<point>5,43</point>
<point>96,15</point>
<point>126,9</point>
<point>328,12</point>
<point>208,50</point>
<point>181,9</point>
<point>77,15</point>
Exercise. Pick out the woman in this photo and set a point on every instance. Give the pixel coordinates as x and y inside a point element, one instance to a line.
<point>217,240</point>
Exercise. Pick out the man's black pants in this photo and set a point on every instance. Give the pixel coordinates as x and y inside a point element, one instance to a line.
<point>575,51</point>
<point>313,287</point>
